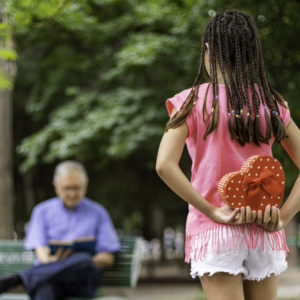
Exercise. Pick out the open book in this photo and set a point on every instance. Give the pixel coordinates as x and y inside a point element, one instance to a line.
<point>86,244</point>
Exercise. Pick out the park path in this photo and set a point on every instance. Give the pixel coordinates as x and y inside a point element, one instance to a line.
<point>289,288</point>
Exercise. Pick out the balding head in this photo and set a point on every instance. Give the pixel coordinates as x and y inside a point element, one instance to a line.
<point>69,166</point>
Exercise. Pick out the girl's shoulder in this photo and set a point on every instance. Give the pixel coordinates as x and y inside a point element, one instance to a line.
<point>179,98</point>
<point>182,95</point>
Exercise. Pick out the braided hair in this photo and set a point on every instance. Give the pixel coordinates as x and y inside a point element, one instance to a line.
<point>235,48</point>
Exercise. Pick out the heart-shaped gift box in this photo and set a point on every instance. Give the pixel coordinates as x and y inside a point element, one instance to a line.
<point>260,182</point>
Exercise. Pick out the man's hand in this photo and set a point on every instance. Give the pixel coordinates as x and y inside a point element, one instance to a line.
<point>44,256</point>
<point>104,259</point>
<point>271,219</point>
<point>60,254</point>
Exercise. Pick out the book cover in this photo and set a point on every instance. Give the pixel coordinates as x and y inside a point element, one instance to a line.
<point>85,244</point>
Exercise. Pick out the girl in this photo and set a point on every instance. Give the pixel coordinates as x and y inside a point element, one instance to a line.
<point>236,253</point>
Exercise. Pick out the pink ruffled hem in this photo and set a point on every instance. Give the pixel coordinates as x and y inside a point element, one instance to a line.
<point>214,236</point>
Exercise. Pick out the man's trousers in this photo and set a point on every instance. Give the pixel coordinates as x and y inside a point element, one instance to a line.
<point>75,275</point>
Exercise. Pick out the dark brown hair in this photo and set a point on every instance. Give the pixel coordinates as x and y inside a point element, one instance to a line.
<point>234,46</point>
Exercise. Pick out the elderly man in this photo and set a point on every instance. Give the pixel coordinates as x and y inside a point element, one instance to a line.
<point>69,216</point>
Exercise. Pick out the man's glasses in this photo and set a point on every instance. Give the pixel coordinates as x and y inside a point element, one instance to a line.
<point>69,189</point>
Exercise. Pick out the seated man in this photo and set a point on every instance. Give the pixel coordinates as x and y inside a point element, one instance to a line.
<point>66,217</point>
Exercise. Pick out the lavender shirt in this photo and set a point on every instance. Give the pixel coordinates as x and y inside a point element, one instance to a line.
<point>51,220</point>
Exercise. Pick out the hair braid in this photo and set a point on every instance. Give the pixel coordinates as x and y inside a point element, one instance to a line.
<point>248,126</point>
<point>221,62</point>
<point>228,64</point>
<point>276,121</point>
<point>238,67</point>
<point>213,123</point>
<point>249,121</point>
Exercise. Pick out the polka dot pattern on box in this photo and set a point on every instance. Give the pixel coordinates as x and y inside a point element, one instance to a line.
<point>260,182</point>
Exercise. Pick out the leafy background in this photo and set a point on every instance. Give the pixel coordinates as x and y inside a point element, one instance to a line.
<point>93,78</point>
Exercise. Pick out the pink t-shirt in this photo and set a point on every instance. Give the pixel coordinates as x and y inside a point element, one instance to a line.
<point>214,157</point>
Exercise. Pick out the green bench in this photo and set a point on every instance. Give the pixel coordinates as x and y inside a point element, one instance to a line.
<point>125,272</point>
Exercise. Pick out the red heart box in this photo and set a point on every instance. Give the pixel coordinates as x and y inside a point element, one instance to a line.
<point>260,182</point>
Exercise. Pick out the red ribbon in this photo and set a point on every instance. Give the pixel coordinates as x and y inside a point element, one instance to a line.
<point>257,186</point>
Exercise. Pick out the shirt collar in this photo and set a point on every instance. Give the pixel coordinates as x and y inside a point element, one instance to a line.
<point>75,208</point>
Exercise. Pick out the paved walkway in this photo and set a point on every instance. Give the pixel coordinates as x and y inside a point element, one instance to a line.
<point>289,284</point>
<point>289,288</point>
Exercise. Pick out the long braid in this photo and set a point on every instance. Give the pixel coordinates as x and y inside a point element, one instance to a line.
<point>221,62</point>
<point>254,125</point>
<point>248,126</point>
<point>249,121</point>
<point>204,111</point>
<point>267,95</point>
<point>238,67</point>
<point>213,69</point>
<point>264,90</point>
<point>277,124</point>
<point>232,99</point>
<point>256,98</point>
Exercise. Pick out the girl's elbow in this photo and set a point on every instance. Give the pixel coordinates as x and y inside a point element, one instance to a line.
<point>161,168</point>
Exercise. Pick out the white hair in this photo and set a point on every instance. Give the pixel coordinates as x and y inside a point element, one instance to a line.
<point>69,166</point>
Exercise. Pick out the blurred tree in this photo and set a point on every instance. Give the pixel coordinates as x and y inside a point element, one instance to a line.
<point>96,80</point>
<point>93,79</point>
<point>7,74</point>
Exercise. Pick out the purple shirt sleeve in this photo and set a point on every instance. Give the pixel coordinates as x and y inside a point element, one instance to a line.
<point>36,233</point>
<point>107,238</point>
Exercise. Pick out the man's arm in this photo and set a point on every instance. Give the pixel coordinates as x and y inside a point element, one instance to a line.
<point>104,259</point>
<point>107,241</point>
<point>44,255</point>
<point>100,259</point>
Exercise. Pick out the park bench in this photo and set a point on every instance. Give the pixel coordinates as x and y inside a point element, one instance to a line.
<point>125,272</point>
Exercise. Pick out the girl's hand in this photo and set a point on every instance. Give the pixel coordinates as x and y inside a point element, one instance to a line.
<point>271,219</point>
<point>227,215</point>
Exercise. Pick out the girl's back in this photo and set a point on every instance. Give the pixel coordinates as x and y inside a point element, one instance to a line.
<point>217,155</point>
<point>236,253</point>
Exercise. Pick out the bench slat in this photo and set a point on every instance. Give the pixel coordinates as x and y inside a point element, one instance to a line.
<point>125,272</point>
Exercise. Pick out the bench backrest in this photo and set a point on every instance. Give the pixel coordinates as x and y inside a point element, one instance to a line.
<point>125,272</point>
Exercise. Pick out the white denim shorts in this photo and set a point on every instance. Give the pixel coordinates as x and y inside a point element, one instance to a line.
<point>254,264</point>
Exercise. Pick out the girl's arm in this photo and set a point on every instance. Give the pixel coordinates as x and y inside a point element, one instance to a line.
<point>167,166</point>
<point>292,205</point>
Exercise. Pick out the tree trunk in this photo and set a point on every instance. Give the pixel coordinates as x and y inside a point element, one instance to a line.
<point>6,137</point>
<point>6,181</point>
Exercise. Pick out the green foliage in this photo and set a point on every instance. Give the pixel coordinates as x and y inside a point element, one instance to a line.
<point>22,12</point>
<point>6,53</point>
<point>93,77</point>
<point>119,60</point>
<point>5,81</point>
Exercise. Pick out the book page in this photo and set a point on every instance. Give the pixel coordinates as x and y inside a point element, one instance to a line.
<point>58,242</point>
<point>85,239</point>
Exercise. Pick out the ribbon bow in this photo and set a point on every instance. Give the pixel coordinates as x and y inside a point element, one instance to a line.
<point>257,186</point>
